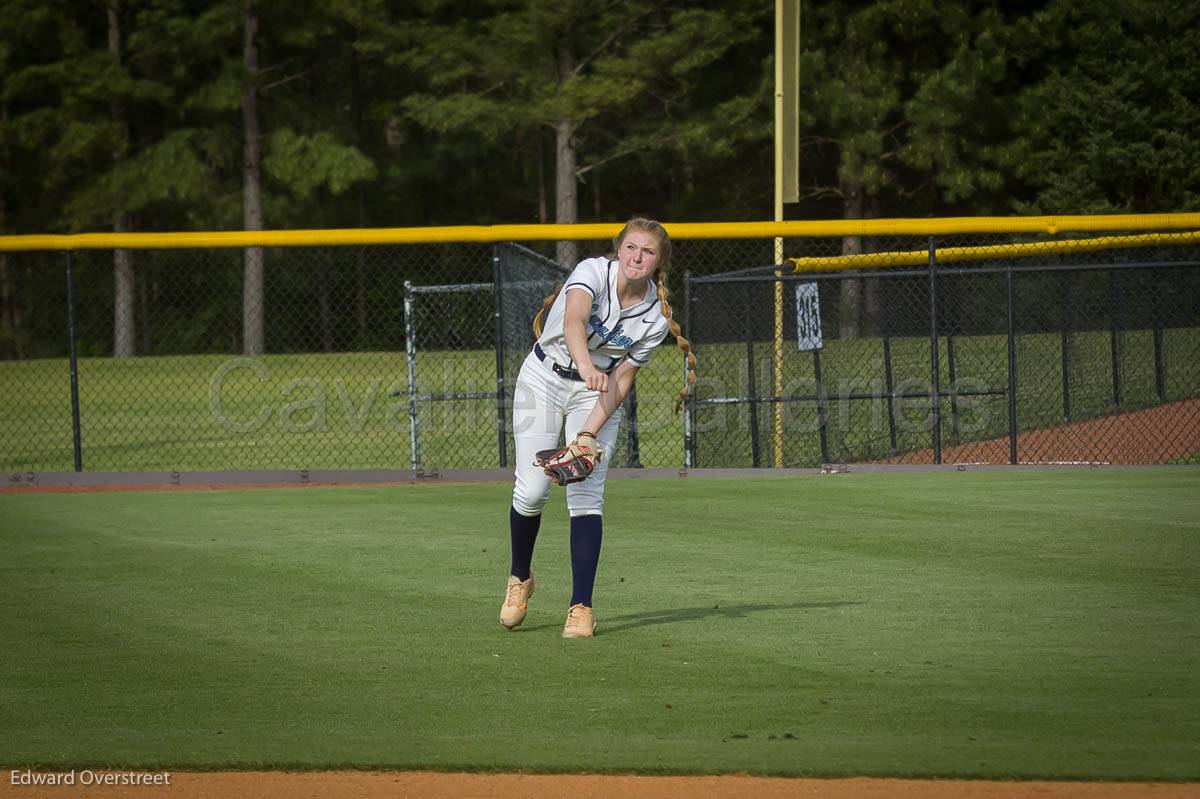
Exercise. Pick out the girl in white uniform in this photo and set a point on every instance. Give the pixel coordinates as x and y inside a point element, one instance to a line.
<point>603,325</point>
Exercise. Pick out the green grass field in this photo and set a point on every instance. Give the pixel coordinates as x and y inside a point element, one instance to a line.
<point>983,624</point>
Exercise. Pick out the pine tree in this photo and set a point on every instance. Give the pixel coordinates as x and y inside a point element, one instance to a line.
<point>902,101</point>
<point>600,77</point>
<point>1111,123</point>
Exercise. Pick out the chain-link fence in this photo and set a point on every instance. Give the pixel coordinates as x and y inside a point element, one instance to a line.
<point>451,390</point>
<point>386,356</point>
<point>1009,353</point>
<point>328,388</point>
<point>372,357</point>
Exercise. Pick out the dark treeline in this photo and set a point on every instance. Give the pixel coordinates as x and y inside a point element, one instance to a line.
<point>148,115</point>
<point>134,113</point>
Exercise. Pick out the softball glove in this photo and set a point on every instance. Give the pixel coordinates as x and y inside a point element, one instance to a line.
<point>572,463</point>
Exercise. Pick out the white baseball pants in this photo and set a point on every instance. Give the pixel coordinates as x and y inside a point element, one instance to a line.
<point>544,405</point>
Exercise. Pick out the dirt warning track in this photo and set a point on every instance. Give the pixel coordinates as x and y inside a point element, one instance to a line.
<point>435,785</point>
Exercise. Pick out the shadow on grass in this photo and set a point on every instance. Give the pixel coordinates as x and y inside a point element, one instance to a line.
<point>649,618</point>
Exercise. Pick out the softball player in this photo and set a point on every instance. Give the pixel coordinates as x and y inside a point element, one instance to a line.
<point>603,325</point>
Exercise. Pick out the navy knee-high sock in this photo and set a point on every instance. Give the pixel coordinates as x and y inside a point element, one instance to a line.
<point>523,531</point>
<point>586,532</point>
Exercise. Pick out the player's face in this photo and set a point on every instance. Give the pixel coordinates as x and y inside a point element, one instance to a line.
<point>638,254</point>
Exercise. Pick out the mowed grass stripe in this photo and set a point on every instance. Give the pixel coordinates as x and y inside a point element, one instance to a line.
<point>1029,624</point>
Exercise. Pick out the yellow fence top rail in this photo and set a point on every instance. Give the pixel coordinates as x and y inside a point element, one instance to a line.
<point>1051,225</point>
<point>876,260</point>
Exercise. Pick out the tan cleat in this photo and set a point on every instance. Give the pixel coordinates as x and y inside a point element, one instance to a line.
<point>516,601</point>
<point>581,622</point>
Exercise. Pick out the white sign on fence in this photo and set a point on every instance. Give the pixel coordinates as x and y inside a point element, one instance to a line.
<point>808,317</point>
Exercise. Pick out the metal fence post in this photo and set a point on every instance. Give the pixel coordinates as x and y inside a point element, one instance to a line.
<point>1065,279</point>
<point>633,447</point>
<point>935,377</point>
<point>752,393</point>
<point>689,412</point>
<point>410,352</point>
<point>1114,326</point>
<point>891,392</point>
<point>76,427</point>
<point>952,375</point>
<point>822,434</point>
<point>1160,372</point>
<point>1012,369</point>
<point>500,404</point>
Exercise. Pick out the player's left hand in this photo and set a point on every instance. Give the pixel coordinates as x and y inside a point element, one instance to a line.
<point>572,463</point>
<point>597,381</point>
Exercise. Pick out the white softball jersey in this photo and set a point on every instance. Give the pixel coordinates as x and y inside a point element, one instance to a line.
<point>614,333</point>
<point>547,405</point>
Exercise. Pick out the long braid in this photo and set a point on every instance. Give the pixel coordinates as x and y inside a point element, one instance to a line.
<point>681,342</point>
<point>540,319</point>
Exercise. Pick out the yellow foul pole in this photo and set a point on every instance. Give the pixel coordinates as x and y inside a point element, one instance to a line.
<point>778,438</point>
<point>787,170</point>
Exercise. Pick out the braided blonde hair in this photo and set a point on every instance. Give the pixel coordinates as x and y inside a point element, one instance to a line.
<point>655,229</point>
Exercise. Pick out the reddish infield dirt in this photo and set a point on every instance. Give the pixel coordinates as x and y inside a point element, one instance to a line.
<point>430,785</point>
<point>1154,435</point>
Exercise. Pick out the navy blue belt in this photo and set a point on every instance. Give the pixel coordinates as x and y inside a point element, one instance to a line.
<point>561,371</point>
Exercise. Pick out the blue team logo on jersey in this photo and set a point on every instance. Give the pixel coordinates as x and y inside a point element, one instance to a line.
<point>615,337</point>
